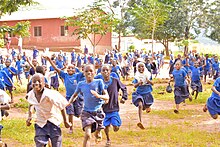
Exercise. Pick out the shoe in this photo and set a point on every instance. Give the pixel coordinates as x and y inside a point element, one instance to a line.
<point>140,125</point>
<point>108,143</point>
<point>176,111</point>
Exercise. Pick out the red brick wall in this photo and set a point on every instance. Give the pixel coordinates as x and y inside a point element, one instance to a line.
<point>51,36</point>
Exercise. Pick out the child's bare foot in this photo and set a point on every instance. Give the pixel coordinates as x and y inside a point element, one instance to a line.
<point>190,98</point>
<point>205,108</point>
<point>148,110</point>
<point>140,125</point>
<point>98,137</point>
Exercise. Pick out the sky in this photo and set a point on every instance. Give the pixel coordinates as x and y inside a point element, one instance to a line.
<point>64,4</point>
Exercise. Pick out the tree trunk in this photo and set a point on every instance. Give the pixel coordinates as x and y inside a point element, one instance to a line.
<point>167,47</point>
<point>119,41</point>
<point>186,38</point>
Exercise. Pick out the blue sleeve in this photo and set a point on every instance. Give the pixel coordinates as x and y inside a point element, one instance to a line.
<point>216,83</point>
<point>13,69</point>
<point>101,85</point>
<point>191,67</point>
<point>78,88</point>
<point>62,74</point>
<point>184,73</point>
<point>135,81</point>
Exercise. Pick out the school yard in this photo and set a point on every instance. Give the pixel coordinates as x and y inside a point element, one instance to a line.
<point>191,127</point>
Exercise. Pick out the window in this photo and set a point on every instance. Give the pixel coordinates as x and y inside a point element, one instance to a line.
<point>37,31</point>
<point>64,30</point>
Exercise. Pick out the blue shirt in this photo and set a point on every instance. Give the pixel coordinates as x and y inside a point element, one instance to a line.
<point>143,89</point>
<point>9,74</point>
<point>73,57</point>
<point>179,77</point>
<point>35,53</point>
<point>196,72</point>
<point>19,66</point>
<point>70,83</point>
<point>215,66</point>
<point>59,64</point>
<point>112,74</point>
<point>217,87</point>
<point>208,63</point>
<point>91,103</point>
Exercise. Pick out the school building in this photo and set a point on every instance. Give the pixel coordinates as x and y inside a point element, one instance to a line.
<point>48,31</point>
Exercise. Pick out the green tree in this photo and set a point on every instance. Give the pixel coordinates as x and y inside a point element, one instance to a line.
<point>9,6</point>
<point>147,16</point>
<point>91,21</point>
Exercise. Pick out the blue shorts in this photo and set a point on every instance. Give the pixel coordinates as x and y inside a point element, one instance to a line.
<point>51,131</point>
<point>75,108</point>
<point>26,74</point>
<point>112,118</point>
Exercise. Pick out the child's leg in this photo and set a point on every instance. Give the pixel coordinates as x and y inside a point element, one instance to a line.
<point>177,108</point>
<point>88,135</point>
<point>107,133</point>
<point>71,121</point>
<point>140,108</point>
<point>196,94</point>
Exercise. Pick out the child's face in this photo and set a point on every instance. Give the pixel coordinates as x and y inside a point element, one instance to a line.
<point>71,69</point>
<point>89,72</point>
<point>105,72</point>
<point>37,84</point>
<point>177,65</point>
<point>7,63</point>
<point>34,62</point>
<point>141,68</point>
<point>196,64</point>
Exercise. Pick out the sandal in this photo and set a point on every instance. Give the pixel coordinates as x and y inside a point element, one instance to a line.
<point>108,143</point>
<point>176,111</point>
<point>140,125</point>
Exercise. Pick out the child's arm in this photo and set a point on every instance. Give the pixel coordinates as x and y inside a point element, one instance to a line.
<point>215,91</point>
<point>53,65</point>
<point>28,121</point>
<point>138,84</point>
<point>30,64</point>
<point>9,69</point>
<point>66,123</point>
<point>150,82</point>
<point>104,95</point>
<point>73,98</point>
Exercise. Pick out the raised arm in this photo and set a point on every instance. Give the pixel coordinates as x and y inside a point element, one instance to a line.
<point>53,65</point>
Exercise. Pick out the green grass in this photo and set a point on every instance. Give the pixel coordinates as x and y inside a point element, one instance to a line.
<point>168,135</point>
<point>23,104</point>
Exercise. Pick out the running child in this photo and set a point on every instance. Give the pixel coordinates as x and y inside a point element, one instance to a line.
<point>50,112</point>
<point>142,97</point>
<point>95,96</point>
<point>181,89</point>
<point>213,102</point>
<point>111,109</point>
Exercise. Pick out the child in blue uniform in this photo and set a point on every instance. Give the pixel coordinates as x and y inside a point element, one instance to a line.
<point>215,68</point>
<point>70,83</point>
<point>181,90</point>
<point>196,84</point>
<point>142,97</point>
<point>213,102</point>
<point>19,65</point>
<point>111,109</point>
<point>10,71</point>
<point>207,67</point>
<point>95,96</point>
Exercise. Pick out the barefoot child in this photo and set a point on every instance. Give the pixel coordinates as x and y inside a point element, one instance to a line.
<point>111,109</point>
<point>196,84</point>
<point>181,90</point>
<point>94,97</point>
<point>213,102</point>
<point>50,112</point>
<point>142,97</point>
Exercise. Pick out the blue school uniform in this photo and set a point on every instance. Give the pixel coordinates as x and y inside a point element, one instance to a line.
<point>195,78</point>
<point>91,103</point>
<point>116,69</point>
<point>181,90</point>
<point>60,64</point>
<point>35,53</point>
<point>213,102</point>
<point>215,67</point>
<point>3,76</point>
<point>10,75</point>
<point>207,66</point>
<point>54,80</point>
<point>73,57</point>
<point>142,93</point>
<point>79,61</point>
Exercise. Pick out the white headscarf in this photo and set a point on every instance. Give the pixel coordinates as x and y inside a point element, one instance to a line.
<point>142,76</point>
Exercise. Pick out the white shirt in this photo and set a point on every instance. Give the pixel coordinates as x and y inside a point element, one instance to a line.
<point>49,108</point>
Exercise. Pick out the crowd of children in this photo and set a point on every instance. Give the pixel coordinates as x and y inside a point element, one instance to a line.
<point>92,85</point>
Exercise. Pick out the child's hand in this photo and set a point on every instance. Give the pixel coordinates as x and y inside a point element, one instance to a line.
<point>94,93</point>
<point>67,124</point>
<point>28,121</point>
